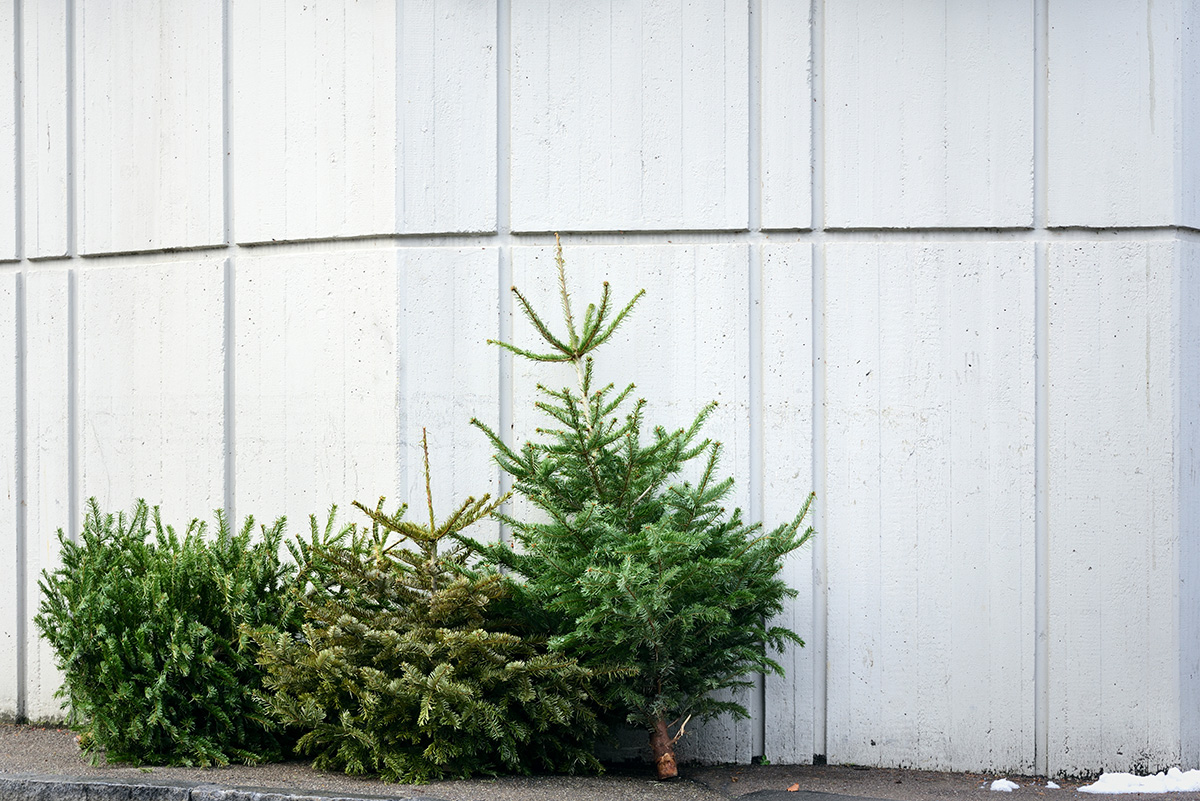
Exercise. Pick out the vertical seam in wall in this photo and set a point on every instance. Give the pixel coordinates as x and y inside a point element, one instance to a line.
<point>1179,96</point>
<point>402,366</point>
<point>1179,474</point>
<point>398,91</point>
<point>504,235</point>
<point>74,482</point>
<point>228,406</point>
<point>401,263</point>
<point>229,500</point>
<point>227,119</point>
<point>1041,671</point>
<point>72,155</point>
<point>820,637</point>
<point>755,322</point>
<point>19,128</point>
<point>20,523</point>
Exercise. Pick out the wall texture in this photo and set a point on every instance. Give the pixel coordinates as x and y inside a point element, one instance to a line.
<point>937,259</point>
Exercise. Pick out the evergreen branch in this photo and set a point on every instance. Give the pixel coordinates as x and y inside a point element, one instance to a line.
<point>528,354</point>
<point>428,490</point>
<point>470,512</point>
<point>566,298</point>
<point>589,319</point>
<point>631,429</point>
<point>576,531</point>
<point>542,328</point>
<point>505,453</point>
<point>616,402</point>
<point>601,339</point>
<point>596,320</point>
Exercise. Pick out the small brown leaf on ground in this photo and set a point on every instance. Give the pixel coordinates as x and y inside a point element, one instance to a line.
<point>794,788</point>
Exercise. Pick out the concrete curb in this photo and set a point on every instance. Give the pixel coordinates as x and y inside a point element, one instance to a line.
<point>27,787</point>
<point>34,787</point>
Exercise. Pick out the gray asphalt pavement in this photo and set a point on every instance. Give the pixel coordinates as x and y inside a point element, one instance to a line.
<point>44,764</point>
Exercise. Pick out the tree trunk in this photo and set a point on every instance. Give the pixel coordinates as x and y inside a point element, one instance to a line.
<point>662,749</point>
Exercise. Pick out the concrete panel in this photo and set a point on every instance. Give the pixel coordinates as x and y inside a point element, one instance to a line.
<point>629,115</point>
<point>44,125</point>
<point>318,134</point>
<point>315,383</point>
<point>1189,181</point>
<point>1113,113</point>
<point>151,126</point>
<point>787,358</point>
<point>8,134</point>
<point>1188,471</point>
<point>447,91</point>
<point>930,505</point>
<point>928,117</point>
<point>314,119</point>
<point>786,115</point>
<point>9,503</point>
<point>47,467</point>
<point>685,345</point>
<point>1113,512</point>
<point>447,309</point>
<point>151,369</point>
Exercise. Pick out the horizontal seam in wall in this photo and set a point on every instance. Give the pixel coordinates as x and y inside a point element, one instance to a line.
<point>605,238</point>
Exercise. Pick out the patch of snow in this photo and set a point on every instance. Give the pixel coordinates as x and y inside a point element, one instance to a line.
<point>1173,781</point>
<point>1051,786</point>
<point>1004,786</point>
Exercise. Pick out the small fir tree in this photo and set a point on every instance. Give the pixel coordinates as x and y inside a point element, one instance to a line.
<point>403,668</point>
<point>644,578</point>
<point>145,623</point>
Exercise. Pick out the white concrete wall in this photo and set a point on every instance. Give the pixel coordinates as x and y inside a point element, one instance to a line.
<point>45,203</point>
<point>938,260</point>
<point>1114,510</point>
<point>149,80</point>
<point>149,382</point>
<point>911,140</point>
<point>930,469</point>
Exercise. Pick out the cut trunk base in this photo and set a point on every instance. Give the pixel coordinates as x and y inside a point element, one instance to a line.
<point>662,749</point>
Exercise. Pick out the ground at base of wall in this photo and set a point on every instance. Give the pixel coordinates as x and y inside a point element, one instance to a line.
<point>53,752</point>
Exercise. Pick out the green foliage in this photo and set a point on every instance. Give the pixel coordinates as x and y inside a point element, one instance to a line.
<point>403,668</point>
<point>144,624</point>
<point>641,576</point>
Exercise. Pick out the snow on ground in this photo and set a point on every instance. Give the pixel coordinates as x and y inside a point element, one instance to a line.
<point>1004,785</point>
<point>1052,786</point>
<point>1173,781</point>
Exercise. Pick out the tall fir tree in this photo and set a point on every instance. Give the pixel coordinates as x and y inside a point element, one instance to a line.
<point>644,577</point>
<point>403,668</point>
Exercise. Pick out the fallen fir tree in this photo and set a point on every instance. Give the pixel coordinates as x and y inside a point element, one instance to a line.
<point>643,577</point>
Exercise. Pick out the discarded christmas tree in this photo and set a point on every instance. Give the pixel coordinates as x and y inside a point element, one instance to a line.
<point>641,576</point>
<point>144,623</point>
<point>403,669</point>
